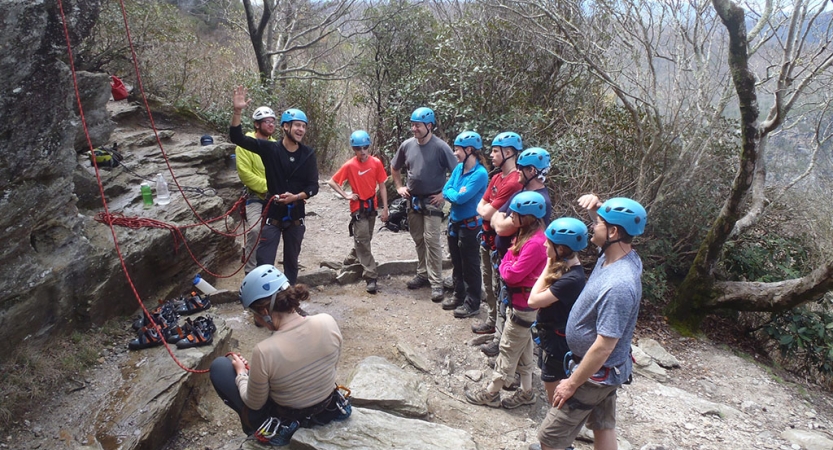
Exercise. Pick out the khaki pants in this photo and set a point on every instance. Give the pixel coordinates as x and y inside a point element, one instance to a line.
<point>362,235</point>
<point>426,231</point>
<point>515,349</point>
<point>490,283</point>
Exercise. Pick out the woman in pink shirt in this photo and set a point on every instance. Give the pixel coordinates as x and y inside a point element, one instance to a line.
<point>519,270</point>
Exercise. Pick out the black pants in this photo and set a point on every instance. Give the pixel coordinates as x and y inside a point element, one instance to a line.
<point>267,248</point>
<point>222,377</point>
<point>464,246</point>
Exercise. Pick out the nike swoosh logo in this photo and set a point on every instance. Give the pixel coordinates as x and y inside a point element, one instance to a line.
<point>362,173</point>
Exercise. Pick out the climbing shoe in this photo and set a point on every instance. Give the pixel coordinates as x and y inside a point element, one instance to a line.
<point>202,333</point>
<point>518,398</point>
<point>417,282</point>
<point>192,304</point>
<point>276,432</point>
<point>483,397</point>
<point>148,337</point>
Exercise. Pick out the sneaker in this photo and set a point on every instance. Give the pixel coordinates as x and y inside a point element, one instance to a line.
<point>451,303</point>
<point>519,398</point>
<point>465,310</point>
<point>490,349</point>
<point>483,328</point>
<point>417,282</point>
<point>437,295</point>
<point>371,286</point>
<point>448,283</point>
<point>483,397</point>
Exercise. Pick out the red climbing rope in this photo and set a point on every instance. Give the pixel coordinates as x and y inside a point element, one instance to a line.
<point>118,219</point>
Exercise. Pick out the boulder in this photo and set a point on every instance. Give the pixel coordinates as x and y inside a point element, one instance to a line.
<point>377,384</point>
<point>367,428</point>
<point>808,440</point>
<point>660,355</point>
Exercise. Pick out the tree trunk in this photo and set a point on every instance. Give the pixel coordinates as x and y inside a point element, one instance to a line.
<point>695,295</point>
<point>773,297</point>
<point>256,36</point>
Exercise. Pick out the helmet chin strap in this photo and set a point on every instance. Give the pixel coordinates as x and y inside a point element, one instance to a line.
<point>268,317</point>
<point>608,242</point>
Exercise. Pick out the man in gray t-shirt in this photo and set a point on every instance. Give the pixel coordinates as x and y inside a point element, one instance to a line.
<point>600,329</point>
<point>427,160</point>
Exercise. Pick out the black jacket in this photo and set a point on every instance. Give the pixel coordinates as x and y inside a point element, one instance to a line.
<point>286,171</point>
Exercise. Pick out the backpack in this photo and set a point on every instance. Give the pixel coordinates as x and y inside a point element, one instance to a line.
<point>397,216</point>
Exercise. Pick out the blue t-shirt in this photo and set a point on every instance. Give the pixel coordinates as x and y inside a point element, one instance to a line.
<point>608,306</point>
<point>502,243</point>
<point>464,204</point>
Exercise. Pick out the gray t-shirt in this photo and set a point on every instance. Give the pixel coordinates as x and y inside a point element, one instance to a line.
<point>427,164</point>
<point>608,306</point>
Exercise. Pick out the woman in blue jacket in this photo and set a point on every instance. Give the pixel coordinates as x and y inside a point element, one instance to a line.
<point>464,190</point>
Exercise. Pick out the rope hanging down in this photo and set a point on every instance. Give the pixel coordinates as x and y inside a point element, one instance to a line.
<point>116,219</point>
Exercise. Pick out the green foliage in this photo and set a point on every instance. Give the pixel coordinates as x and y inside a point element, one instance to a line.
<point>767,258</point>
<point>804,336</point>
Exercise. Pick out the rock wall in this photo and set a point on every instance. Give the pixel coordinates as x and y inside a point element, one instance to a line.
<point>58,267</point>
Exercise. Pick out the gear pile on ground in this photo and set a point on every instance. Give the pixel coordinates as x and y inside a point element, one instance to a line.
<point>192,333</point>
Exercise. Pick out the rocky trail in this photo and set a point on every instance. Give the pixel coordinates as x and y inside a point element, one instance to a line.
<point>715,399</point>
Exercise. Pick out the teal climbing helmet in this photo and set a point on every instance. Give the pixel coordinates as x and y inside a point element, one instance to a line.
<point>569,232</point>
<point>468,139</point>
<point>359,138</point>
<point>508,139</point>
<point>626,213</point>
<point>423,115</point>
<point>529,203</point>
<point>293,114</point>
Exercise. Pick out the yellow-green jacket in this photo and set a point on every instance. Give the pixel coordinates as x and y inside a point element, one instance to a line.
<point>251,171</point>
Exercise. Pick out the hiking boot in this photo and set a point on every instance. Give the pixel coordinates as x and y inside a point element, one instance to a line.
<point>518,398</point>
<point>417,282</point>
<point>483,328</point>
<point>465,310</point>
<point>515,384</point>
<point>448,283</point>
<point>371,286</point>
<point>451,303</point>
<point>490,349</point>
<point>483,397</point>
<point>437,295</point>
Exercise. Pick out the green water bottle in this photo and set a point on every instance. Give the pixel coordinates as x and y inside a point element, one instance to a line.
<point>147,196</point>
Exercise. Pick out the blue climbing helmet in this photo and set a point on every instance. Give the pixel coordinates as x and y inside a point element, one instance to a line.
<point>626,213</point>
<point>529,203</point>
<point>508,139</point>
<point>293,114</point>
<point>569,232</point>
<point>359,138</point>
<point>468,139</point>
<point>536,157</point>
<point>263,281</point>
<point>423,115</point>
